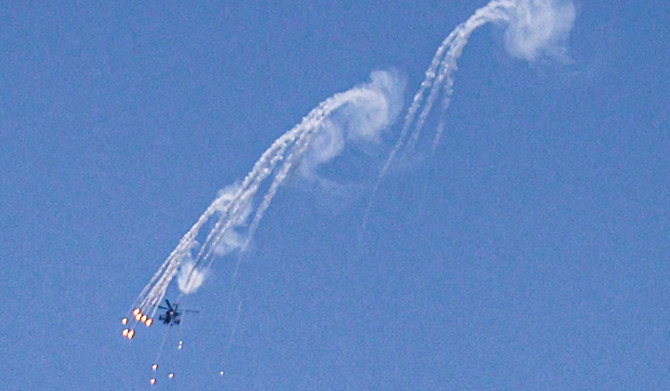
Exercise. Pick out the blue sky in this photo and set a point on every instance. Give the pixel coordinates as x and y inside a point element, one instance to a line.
<point>529,252</point>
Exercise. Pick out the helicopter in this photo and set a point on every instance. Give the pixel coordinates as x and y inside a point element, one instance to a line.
<point>172,314</point>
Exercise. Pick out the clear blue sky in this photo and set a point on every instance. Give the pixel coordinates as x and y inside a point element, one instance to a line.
<point>529,253</point>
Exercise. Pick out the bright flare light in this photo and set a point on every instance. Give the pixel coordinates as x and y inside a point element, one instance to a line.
<point>149,322</point>
<point>171,375</point>
<point>131,334</point>
<point>152,381</point>
<point>136,311</point>
<point>125,332</point>
<point>124,321</point>
<point>144,318</point>
<point>138,316</point>
<point>154,367</point>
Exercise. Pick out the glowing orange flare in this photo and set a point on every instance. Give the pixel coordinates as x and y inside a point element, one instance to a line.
<point>124,320</point>
<point>152,380</point>
<point>138,316</point>
<point>171,375</point>
<point>131,334</point>
<point>125,332</point>
<point>144,318</point>
<point>136,311</point>
<point>154,367</point>
<point>149,322</point>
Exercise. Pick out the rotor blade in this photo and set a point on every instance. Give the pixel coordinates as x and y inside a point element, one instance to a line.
<point>161,307</point>
<point>168,303</point>
<point>192,311</point>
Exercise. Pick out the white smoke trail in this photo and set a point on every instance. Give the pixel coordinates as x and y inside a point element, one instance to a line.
<point>539,27</point>
<point>439,73</point>
<point>189,278</point>
<point>370,108</point>
<point>532,27</point>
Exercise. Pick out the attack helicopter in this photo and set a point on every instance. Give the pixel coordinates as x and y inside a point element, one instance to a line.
<point>172,313</point>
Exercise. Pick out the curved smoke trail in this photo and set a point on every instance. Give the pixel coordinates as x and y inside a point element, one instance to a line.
<point>373,102</point>
<point>532,27</point>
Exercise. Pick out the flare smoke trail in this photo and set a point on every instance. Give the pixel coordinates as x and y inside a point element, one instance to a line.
<point>532,28</point>
<point>372,107</point>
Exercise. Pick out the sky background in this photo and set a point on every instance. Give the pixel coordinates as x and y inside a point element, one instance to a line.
<point>530,252</point>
